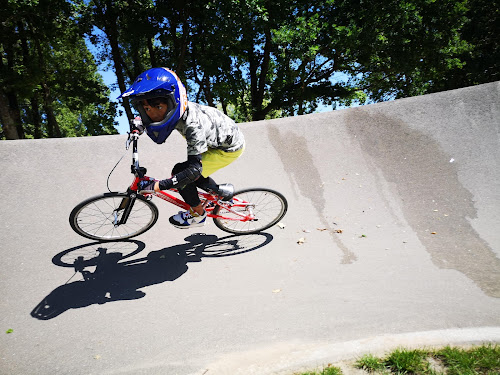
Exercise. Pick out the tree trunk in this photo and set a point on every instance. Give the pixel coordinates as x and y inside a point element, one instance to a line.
<point>15,113</point>
<point>138,67</point>
<point>112,35</point>
<point>254,102</point>
<point>152,56</point>
<point>108,18</point>
<point>264,68</point>
<point>208,91</point>
<point>52,125</point>
<point>9,92</point>
<point>35,116</point>
<point>259,113</point>
<point>223,105</point>
<point>8,123</point>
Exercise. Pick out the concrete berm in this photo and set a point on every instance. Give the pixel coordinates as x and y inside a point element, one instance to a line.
<point>396,205</point>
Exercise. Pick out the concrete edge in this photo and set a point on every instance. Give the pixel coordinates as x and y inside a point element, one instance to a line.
<point>293,357</point>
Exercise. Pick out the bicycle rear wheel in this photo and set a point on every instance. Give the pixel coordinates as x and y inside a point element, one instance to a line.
<point>98,217</point>
<point>268,207</point>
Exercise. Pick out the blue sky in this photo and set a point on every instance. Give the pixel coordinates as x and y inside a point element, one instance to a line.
<point>110,80</point>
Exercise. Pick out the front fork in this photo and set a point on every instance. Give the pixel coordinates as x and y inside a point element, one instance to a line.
<point>127,202</point>
<point>126,205</point>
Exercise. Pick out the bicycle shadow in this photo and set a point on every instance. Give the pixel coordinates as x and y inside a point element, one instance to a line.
<point>116,279</point>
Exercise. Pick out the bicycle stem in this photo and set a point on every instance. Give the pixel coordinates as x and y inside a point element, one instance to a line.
<point>133,138</point>
<point>135,154</point>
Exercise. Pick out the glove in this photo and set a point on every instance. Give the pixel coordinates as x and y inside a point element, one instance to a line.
<point>146,186</point>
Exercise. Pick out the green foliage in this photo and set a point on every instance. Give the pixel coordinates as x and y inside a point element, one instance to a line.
<point>480,61</point>
<point>49,77</point>
<point>402,47</point>
<point>255,59</point>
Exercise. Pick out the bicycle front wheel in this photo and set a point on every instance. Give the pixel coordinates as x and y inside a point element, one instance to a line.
<point>99,217</point>
<point>267,207</point>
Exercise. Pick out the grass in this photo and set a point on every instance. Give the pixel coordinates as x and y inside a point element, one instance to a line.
<point>329,370</point>
<point>403,361</point>
<point>370,363</point>
<point>478,360</point>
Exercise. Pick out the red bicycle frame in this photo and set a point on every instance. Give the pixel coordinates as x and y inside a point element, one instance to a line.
<point>206,198</point>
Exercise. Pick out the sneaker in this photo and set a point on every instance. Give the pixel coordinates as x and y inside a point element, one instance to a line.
<point>188,219</point>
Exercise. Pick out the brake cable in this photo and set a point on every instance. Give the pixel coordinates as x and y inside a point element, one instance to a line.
<point>127,146</point>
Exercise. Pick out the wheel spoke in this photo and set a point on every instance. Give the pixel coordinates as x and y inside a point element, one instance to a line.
<point>267,207</point>
<point>96,218</point>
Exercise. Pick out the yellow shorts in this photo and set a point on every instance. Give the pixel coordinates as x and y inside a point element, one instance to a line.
<point>215,159</point>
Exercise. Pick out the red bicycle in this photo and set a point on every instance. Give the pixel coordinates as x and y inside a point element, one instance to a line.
<point>117,216</point>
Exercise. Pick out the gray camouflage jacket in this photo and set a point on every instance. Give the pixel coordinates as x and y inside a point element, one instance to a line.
<point>206,127</point>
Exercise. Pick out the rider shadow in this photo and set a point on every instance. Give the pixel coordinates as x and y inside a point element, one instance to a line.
<point>117,279</point>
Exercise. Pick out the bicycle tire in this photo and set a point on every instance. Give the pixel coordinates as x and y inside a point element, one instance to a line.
<point>269,207</point>
<point>93,218</point>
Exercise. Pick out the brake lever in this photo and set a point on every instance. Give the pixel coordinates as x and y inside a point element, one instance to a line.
<point>133,135</point>
<point>128,142</point>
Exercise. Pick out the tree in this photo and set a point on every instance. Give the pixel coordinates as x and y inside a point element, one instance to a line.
<point>255,59</point>
<point>104,14</point>
<point>48,71</point>
<point>260,58</point>
<point>401,48</point>
<point>266,58</point>
<point>480,63</point>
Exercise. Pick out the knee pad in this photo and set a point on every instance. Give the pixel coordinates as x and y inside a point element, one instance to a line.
<point>179,167</point>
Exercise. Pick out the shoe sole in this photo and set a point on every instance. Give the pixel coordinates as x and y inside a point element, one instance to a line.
<point>187,226</point>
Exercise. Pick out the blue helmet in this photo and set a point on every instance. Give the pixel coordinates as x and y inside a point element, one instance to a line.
<point>164,84</point>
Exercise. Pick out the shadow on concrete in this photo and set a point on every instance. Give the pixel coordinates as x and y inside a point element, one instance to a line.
<point>108,277</point>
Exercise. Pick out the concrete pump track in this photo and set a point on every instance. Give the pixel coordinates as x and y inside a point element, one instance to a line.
<point>391,239</point>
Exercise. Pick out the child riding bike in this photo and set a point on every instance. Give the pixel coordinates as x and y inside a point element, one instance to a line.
<point>213,139</point>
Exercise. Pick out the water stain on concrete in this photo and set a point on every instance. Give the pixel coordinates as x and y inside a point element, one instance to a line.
<point>434,202</point>
<point>299,164</point>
